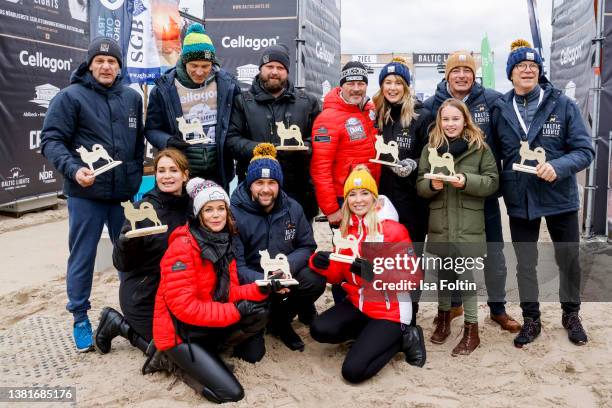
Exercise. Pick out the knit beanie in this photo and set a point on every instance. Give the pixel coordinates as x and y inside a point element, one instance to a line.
<point>278,53</point>
<point>264,165</point>
<point>397,66</point>
<point>104,46</point>
<point>520,50</point>
<point>460,59</point>
<point>353,71</point>
<point>197,46</point>
<point>360,177</point>
<point>202,191</point>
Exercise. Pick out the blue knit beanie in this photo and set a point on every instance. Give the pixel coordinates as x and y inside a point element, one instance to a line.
<point>520,50</point>
<point>397,66</point>
<point>197,46</point>
<point>264,165</point>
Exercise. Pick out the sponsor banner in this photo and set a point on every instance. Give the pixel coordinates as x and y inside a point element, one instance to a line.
<point>429,58</point>
<point>240,9</point>
<point>143,65</point>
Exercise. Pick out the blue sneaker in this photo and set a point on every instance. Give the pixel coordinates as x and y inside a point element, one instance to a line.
<point>83,338</point>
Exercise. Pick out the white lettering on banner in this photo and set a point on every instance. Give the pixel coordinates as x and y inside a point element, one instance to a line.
<point>48,3</point>
<point>366,58</point>
<point>109,27</point>
<point>136,41</point>
<point>46,176</point>
<point>571,55</point>
<point>245,42</point>
<point>40,61</point>
<point>112,4</point>
<point>323,54</point>
<point>35,139</point>
<point>15,180</point>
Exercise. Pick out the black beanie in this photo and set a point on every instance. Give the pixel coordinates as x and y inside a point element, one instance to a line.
<point>353,71</point>
<point>278,53</point>
<point>104,46</point>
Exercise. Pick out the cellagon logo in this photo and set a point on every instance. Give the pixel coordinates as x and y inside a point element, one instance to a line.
<point>245,42</point>
<point>39,60</point>
<point>323,54</point>
<point>570,55</point>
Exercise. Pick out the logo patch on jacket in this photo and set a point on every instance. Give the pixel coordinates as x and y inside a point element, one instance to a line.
<point>354,128</point>
<point>552,127</point>
<point>289,231</point>
<point>481,114</point>
<point>178,266</point>
<point>132,122</point>
<point>322,135</point>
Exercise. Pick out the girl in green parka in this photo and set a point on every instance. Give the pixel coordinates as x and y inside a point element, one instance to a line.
<point>456,217</point>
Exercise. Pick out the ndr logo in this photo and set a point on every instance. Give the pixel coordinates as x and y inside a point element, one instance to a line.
<point>245,42</point>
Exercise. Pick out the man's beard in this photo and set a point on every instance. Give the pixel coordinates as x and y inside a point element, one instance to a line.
<point>273,88</point>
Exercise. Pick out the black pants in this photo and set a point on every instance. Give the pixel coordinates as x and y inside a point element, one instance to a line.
<point>376,341</point>
<point>301,297</point>
<point>564,231</point>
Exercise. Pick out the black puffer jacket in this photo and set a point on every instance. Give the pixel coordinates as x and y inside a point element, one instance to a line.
<point>412,209</point>
<point>254,116</point>
<point>139,260</point>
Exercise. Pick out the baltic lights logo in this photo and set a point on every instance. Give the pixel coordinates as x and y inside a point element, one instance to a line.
<point>44,94</point>
<point>16,179</point>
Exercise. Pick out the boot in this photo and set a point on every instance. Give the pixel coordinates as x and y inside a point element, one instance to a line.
<point>529,332</point>
<point>575,332</point>
<point>307,314</point>
<point>288,336</point>
<point>455,311</point>
<point>443,329</point>
<point>112,324</point>
<point>469,341</point>
<point>413,346</point>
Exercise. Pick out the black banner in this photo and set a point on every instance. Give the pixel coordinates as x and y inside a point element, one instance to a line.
<point>603,207</point>
<point>230,9</point>
<point>41,43</point>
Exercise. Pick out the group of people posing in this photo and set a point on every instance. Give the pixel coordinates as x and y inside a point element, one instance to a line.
<point>190,293</point>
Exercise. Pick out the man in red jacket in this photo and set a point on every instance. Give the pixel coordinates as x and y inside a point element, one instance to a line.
<point>343,137</point>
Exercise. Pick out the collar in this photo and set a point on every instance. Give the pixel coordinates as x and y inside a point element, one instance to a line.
<point>465,98</point>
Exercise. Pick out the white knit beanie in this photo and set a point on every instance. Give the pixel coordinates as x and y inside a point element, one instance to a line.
<point>202,191</point>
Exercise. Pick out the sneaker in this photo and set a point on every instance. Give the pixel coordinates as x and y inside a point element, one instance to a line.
<point>575,331</point>
<point>83,338</point>
<point>529,332</point>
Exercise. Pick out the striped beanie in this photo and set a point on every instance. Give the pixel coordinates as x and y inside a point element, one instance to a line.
<point>197,45</point>
<point>202,191</point>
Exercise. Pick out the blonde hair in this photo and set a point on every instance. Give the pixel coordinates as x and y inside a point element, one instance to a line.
<point>383,107</point>
<point>471,133</point>
<point>370,219</point>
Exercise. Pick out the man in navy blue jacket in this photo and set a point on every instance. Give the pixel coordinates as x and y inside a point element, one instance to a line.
<point>268,219</point>
<point>95,109</point>
<point>535,115</point>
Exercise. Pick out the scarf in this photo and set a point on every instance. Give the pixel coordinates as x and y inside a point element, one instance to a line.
<point>215,247</point>
<point>185,80</point>
<point>456,147</point>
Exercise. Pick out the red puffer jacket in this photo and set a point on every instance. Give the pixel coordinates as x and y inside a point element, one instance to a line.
<point>366,296</point>
<point>186,290</point>
<point>343,136</point>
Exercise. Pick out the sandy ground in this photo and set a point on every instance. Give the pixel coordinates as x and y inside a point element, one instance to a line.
<point>36,349</point>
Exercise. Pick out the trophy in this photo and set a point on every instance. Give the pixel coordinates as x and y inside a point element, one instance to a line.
<point>350,242</point>
<point>146,211</point>
<point>538,154</point>
<point>436,161</point>
<point>382,148</point>
<point>270,266</point>
<point>195,127</point>
<point>286,134</point>
<point>97,153</point>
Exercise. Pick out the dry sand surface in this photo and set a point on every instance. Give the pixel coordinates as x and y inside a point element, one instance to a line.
<point>36,349</point>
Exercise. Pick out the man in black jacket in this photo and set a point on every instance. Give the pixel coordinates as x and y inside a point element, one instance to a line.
<point>273,99</point>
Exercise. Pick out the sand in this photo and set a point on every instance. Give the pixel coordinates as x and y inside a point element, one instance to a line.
<point>36,349</point>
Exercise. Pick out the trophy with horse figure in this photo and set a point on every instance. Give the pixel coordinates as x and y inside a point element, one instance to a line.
<point>390,148</point>
<point>193,127</point>
<point>436,161</point>
<point>271,268</point>
<point>538,154</point>
<point>97,153</point>
<point>144,212</point>
<point>284,134</point>
<point>349,242</point>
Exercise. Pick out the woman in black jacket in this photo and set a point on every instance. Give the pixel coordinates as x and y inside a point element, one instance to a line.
<point>138,258</point>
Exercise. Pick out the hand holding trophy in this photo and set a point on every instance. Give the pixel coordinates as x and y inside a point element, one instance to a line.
<point>146,211</point>
<point>447,161</point>
<point>350,242</point>
<point>271,267</point>
<point>383,148</point>
<point>538,154</point>
<point>195,127</point>
<point>97,153</point>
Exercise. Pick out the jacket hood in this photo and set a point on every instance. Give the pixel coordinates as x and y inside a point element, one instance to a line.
<point>241,198</point>
<point>387,210</point>
<point>83,76</point>
<point>442,93</point>
<point>333,100</point>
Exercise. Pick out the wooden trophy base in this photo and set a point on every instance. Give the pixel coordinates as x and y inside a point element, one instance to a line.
<point>443,177</point>
<point>107,167</point>
<point>524,169</point>
<point>198,141</point>
<point>141,232</point>
<point>342,258</point>
<point>284,282</point>
<point>291,148</point>
<point>386,163</point>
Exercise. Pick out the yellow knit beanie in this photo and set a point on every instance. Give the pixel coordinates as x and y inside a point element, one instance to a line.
<point>360,177</point>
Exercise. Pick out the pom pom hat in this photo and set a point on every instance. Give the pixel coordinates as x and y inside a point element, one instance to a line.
<point>360,177</point>
<point>520,50</point>
<point>202,191</point>
<point>197,46</point>
<point>264,165</point>
<point>397,66</point>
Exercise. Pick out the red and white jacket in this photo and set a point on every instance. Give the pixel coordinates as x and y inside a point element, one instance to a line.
<point>343,136</point>
<point>186,291</point>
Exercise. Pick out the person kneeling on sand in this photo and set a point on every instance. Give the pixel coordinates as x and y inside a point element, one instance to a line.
<point>380,328</point>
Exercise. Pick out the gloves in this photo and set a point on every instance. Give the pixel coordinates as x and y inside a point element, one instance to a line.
<point>248,308</point>
<point>321,259</point>
<point>274,286</point>
<point>177,143</point>
<point>408,166</point>
<point>364,268</point>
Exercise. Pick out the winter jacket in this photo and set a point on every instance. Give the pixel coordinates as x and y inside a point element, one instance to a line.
<point>165,107</point>
<point>401,191</point>
<point>457,215</point>
<point>186,292</point>
<point>87,113</point>
<point>343,137</point>
<point>284,230</point>
<point>558,128</point>
<point>254,119</point>
<point>139,259</point>
<point>376,304</point>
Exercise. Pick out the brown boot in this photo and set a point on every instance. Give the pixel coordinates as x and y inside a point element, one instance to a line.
<point>506,322</point>
<point>469,342</point>
<point>443,329</point>
<point>455,311</point>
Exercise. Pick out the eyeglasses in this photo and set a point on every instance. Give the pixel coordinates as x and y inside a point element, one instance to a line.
<point>522,67</point>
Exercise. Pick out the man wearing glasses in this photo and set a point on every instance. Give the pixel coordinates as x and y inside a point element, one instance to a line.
<point>542,116</point>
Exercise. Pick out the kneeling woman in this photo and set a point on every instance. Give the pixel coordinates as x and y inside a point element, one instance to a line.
<point>380,327</point>
<point>200,307</point>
